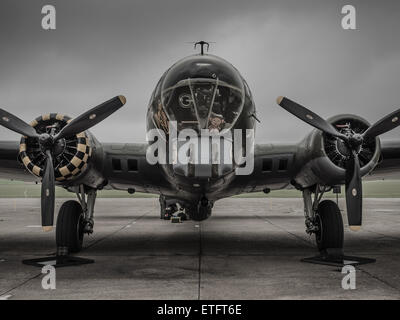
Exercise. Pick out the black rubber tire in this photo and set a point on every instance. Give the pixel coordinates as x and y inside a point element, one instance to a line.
<point>69,231</point>
<point>198,213</point>
<point>330,222</point>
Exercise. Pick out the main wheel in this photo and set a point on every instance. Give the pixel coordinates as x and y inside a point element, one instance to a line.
<point>330,225</point>
<point>69,231</point>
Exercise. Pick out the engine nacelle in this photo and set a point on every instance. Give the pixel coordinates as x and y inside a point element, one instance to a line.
<point>325,156</point>
<point>71,155</point>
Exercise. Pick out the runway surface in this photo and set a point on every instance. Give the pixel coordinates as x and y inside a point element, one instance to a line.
<point>248,249</point>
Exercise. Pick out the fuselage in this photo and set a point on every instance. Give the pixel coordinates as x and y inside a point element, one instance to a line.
<point>202,94</point>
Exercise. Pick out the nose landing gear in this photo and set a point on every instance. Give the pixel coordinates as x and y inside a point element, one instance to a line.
<point>200,211</point>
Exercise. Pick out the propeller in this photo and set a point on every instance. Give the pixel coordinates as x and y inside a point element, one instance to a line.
<point>308,116</point>
<point>81,123</point>
<point>92,117</point>
<point>353,142</point>
<point>15,124</point>
<point>48,194</point>
<point>354,192</point>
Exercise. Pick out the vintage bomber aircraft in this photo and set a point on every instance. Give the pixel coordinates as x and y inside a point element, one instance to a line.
<point>60,151</point>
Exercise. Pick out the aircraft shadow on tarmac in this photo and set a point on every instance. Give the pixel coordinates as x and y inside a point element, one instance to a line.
<point>213,241</point>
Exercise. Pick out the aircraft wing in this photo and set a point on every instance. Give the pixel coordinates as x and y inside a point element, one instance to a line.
<point>123,166</point>
<point>120,166</point>
<point>275,165</point>
<point>279,166</point>
<point>10,166</point>
<point>389,164</point>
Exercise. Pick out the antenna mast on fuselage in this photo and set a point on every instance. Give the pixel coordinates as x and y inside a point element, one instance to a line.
<point>202,44</point>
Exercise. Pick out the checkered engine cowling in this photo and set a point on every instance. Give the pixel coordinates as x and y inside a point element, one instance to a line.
<point>70,155</point>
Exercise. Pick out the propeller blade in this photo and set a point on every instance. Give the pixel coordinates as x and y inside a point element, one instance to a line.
<point>48,194</point>
<point>384,125</point>
<point>354,193</point>
<point>92,117</point>
<point>309,117</point>
<point>15,124</point>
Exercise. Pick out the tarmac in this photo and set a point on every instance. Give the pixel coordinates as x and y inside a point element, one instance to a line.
<point>250,248</point>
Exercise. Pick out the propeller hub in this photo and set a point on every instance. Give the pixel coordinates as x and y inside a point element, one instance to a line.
<point>46,141</point>
<point>342,148</point>
<point>345,148</point>
<point>58,147</point>
<point>356,140</point>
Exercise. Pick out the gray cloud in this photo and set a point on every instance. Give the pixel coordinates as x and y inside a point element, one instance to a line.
<point>104,48</point>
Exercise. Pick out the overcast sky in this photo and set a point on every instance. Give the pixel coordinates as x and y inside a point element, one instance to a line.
<point>104,48</point>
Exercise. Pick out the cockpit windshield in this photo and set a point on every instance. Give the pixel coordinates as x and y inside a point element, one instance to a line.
<point>203,103</point>
<point>208,94</point>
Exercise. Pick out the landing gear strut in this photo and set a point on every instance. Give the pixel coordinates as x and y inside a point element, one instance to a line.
<point>163,206</point>
<point>87,201</point>
<point>324,219</point>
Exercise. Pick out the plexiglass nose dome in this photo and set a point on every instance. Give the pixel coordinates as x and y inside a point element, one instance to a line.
<point>203,92</point>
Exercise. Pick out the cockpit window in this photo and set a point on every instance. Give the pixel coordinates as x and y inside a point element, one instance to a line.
<point>205,95</point>
<point>203,104</point>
